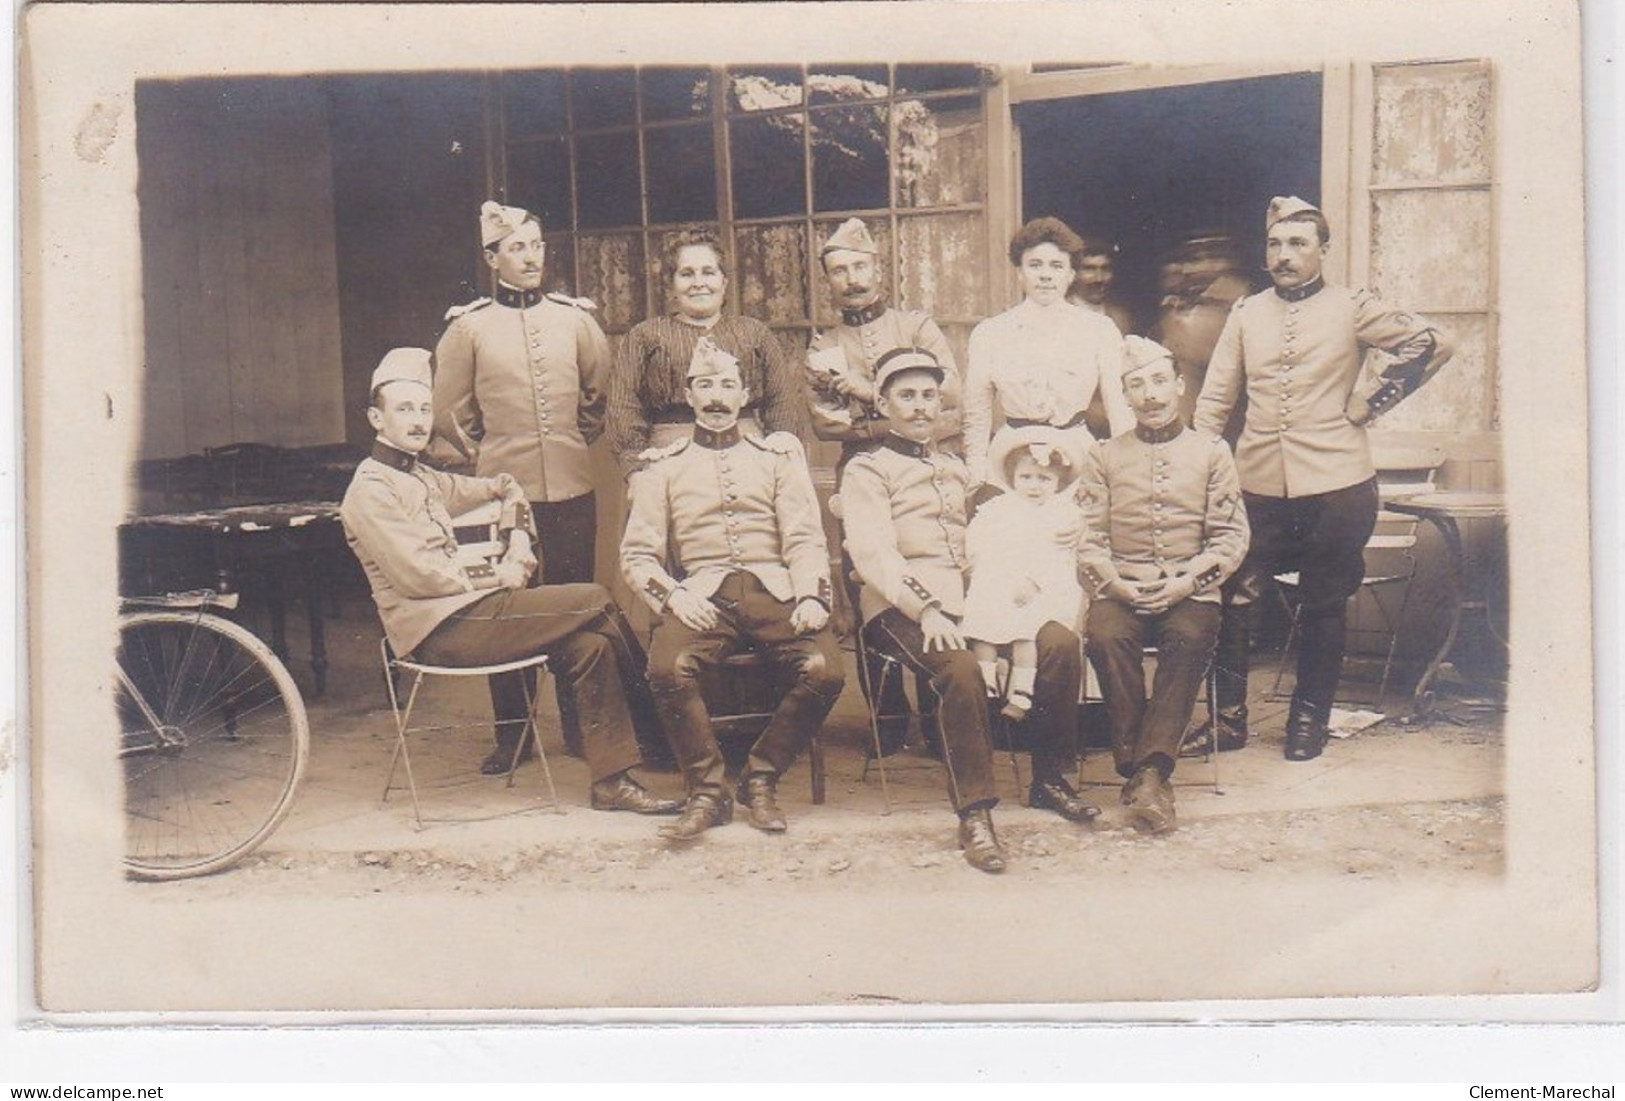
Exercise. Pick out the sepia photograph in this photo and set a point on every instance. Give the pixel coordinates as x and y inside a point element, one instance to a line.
<point>1044,512</point>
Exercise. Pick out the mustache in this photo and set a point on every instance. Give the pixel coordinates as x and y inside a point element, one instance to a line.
<point>715,407</point>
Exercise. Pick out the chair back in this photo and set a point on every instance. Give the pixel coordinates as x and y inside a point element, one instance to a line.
<point>478,532</point>
<point>1402,471</point>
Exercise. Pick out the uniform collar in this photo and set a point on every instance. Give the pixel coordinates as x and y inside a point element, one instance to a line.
<point>905,446</point>
<point>716,441</point>
<point>393,457</point>
<point>518,299</point>
<point>1299,293</point>
<point>1169,431</point>
<point>872,312</point>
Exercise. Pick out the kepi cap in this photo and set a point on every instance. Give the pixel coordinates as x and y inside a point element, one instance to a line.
<point>497,221</point>
<point>709,359</point>
<point>1139,353</point>
<point>1283,207</point>
<point>898,360</point>
<point>403,365</point>
<point>851,234</point>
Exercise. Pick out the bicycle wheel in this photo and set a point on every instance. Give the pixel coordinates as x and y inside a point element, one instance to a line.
<point>213,742</point>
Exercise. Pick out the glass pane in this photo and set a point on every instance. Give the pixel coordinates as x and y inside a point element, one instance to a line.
<point>771,273</point>
<point>612,276</point>
<point>539,180</point>
<point>936,78</point>
<point>763,87</point>
<point>607,172</point>
<point>1431,248</point>
<point>1462,396</point>
<point>769,166</point>
<point>941,151</point>
<point>682,173</point>
<point>845,83</point>
<point>534,102</point>
<point>1432,124</point>
<point>944,265</point>
<point>675,93</point>
<point>849,158</point>
<point>603,97</point>
<point>824,313</point>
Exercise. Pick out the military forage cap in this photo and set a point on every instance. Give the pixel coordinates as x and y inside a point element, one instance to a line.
<point>402,365</point>
<point>851,234</point>
<point>1287,206</point>
<point>1139,353</point>
<point>899,360</point>
<point>709,359</point>
<point>497,221</point>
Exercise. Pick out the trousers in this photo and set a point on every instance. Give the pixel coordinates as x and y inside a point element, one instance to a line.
<point>748,617</point>
<point>1184,635</point>
<point>587,642</point>
<point>565,531</point>
<point>957,681</point>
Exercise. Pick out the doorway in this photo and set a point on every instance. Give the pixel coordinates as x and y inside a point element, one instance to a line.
<point>1154,169</point>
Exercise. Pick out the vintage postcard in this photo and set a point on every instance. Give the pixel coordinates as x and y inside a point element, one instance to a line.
<point>236,217</point>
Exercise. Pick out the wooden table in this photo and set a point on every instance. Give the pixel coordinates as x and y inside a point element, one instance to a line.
<point>261,544</point>
<point>1445,509</point>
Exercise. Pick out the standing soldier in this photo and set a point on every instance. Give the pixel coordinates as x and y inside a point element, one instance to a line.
<point>518,390</point>
<point>741,518</point>
<point>1298,352</point>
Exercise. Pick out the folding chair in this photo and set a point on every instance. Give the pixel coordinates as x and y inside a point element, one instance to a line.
<point>418,670</point>
<point>1390,555</point>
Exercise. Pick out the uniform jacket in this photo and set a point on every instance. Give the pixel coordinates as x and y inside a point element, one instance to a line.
<point>650,378</point>
<point>864,336</point>
<point>1042,363</point>
<point>903,511</point>
<point>1301,358</point>
<point>397,518</point>
<point>519,389</point>
<point>725,502</point>
<point>1162,504</point>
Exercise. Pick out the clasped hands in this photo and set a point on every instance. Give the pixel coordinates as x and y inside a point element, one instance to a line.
<point>516,565</point>
<point>1151,597</point>
<point>698,613</point>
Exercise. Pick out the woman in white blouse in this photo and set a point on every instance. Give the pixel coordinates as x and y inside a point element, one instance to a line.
<point>1043,359</point>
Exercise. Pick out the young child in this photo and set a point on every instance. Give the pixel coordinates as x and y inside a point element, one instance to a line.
<point>1024,567</point>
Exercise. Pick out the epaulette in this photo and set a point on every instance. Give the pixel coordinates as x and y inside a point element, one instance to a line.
<point>565,300</point>
<point>458,311</point>
<point>655,454</point>
<point>780,443</point>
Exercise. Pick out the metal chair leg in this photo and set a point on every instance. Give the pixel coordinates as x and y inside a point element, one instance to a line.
<point>874,732</point>
<point>535,733</point>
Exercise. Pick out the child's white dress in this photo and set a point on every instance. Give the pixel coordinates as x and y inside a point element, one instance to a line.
<point>1011,540</point>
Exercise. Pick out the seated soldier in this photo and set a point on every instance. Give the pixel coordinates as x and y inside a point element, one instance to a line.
<point>741,517</point>
<point>397,517</point>
<point>1165,527</point>
<point>903,507</point>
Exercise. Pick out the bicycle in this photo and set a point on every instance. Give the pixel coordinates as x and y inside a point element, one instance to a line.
<point>213,736</point>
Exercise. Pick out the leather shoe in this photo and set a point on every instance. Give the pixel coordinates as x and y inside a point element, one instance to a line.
<point>500,760</point>
<point>1150,799</point>
<point>1306,731</point>
<point>758,795</point>
<point>702,813</point>
<point>621,792</point>
<point>1057,795</point>
<point>982,849</point>
<point>1232,736</point>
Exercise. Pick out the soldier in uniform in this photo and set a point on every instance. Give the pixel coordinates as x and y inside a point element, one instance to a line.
<point>1094,271</point>
<point>841,374</point>
<point>519,390</point>
<point>1299,353</point>
<point>742,520</point>
<point>1165,527</point>
<point>397,518</point>
<point>905,506</point>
